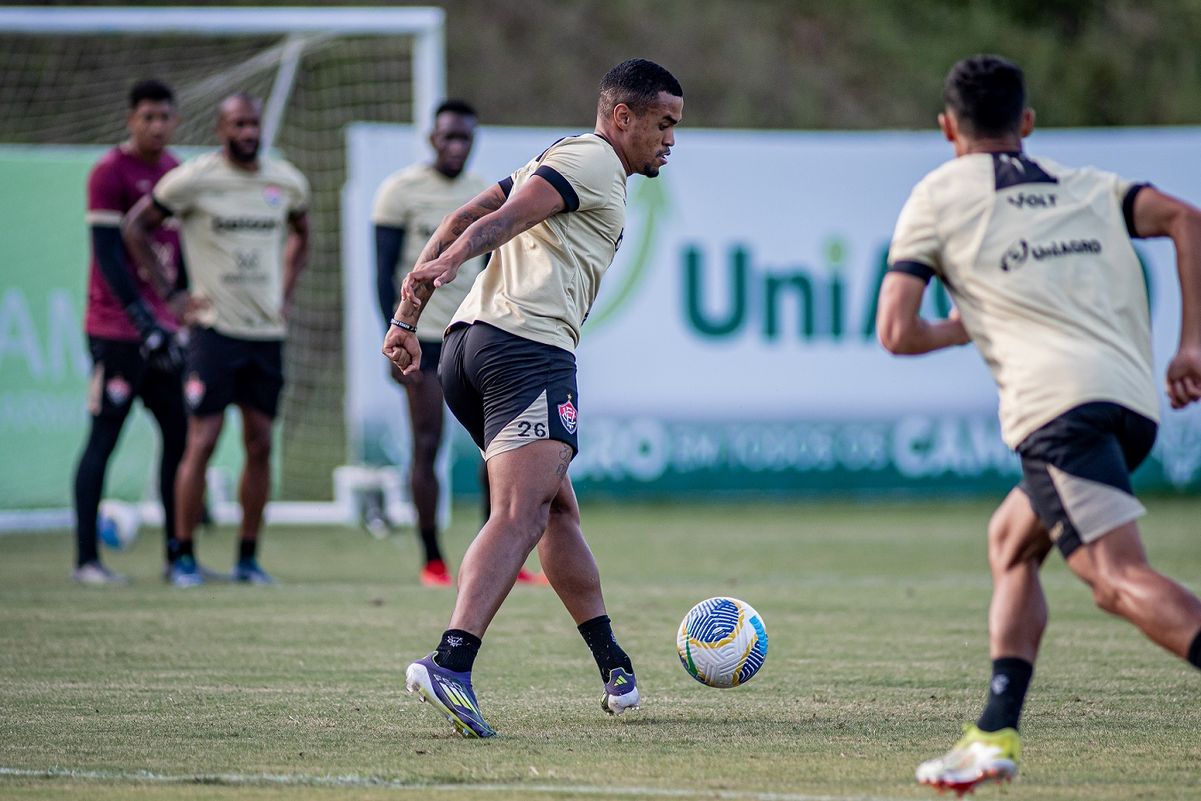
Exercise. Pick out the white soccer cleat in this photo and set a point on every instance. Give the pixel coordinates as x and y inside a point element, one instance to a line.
<point>621,692</point>
<point>978,757</point>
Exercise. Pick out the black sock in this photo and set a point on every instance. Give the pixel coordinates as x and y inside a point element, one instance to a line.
<point>457,650</point>
<point>246,549</point>
<point>1194,652</point>
<point>184,548</point>
<point>1006,694</point>
<point>598,633</point>
<point>429,540</point>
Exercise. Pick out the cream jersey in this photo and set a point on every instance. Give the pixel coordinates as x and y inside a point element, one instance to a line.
<point>233,227</point>
<point>416,199</point>
<point>1039,261</point>
<point>541,284</point>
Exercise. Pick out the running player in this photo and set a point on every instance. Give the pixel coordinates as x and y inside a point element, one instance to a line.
<point>131,330</point>
<point>509,375</point>
<point>1038,259</point>
<point>245,237</point>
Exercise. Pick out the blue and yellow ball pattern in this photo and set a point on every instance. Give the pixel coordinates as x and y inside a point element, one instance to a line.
<point>722,642</point>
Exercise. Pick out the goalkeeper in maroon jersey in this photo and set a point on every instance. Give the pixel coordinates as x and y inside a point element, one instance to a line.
<point>132,331</point>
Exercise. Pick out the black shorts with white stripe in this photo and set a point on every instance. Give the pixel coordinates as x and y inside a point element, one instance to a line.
<point>508,391</point>
<point>1076,470</point>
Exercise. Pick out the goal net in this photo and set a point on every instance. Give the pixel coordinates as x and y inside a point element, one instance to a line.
<point>64,78</point>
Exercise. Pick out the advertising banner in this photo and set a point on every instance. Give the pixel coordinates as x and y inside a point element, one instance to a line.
<point>732,349</point>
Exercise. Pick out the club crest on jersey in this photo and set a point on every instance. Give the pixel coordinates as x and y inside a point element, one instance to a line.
<point>193,390</point>
<point>118,390</point>
<point>273,195</point>
<point>569,416</point>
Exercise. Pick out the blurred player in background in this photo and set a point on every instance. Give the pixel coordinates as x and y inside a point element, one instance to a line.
<point>131,328</point>
<point>409,206</point>
<point>1038,259</point>
<point>245,236</point>
<point>508,369</point>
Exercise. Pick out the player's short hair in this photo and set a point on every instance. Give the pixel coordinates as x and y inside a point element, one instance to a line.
<point>987,94</point>
<point>637,83</point>
<point>456,106</point>
<point>153,90</point>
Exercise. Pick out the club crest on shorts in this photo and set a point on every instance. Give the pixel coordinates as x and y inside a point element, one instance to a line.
<point>193,390</point>
<point>118,390</point>
<point>568,415</point>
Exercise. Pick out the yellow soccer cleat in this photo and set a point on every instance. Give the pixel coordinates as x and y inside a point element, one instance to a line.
<point>979,756</point>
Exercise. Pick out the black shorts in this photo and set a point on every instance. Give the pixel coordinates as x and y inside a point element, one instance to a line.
<point>223,370</point>
<point>508,391</point>
<point>120,374</point>
<point>431,354</point>
<point>1076,470</point>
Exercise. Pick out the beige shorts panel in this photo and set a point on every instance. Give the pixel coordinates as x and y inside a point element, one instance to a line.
<point>531,425</point>
<point>1095,509</point>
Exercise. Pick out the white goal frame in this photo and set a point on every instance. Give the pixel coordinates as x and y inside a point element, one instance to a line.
<point>425,25</point>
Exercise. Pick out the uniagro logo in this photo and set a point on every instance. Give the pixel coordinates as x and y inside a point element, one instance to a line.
<point>1015,256</point>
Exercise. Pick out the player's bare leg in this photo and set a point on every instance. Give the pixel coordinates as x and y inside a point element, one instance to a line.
<point>1017,546</point>
<point>1124,584</point>
<point>523,482</point>
<point>253,491</point>
<point>425,417</point>
<point>1017,616</point>
<point>567,560</point>
<point>571,570</point>
<point>203,432</point>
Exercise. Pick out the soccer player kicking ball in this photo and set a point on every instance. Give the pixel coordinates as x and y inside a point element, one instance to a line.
<point>508,370</point>
<point>1038,259</point>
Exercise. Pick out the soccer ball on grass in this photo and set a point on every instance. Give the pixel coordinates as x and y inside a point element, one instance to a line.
<point>722,642</point>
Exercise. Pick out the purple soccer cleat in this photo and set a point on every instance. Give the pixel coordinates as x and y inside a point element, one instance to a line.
<point>621,692</point>
<point>450,693</point>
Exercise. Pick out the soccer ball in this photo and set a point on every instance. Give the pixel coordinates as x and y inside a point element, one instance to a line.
<point>117,524</point>
<point>722,642</point>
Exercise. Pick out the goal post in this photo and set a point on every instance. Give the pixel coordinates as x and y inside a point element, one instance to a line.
<point>426,25</point>
<point>64,75</point>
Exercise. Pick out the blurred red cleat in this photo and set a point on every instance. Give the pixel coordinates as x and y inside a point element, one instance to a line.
<point>435,574</point>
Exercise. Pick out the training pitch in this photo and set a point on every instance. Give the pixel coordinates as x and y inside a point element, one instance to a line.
<point>878,653</point>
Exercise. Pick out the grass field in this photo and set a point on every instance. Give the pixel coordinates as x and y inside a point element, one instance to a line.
<point>878,653</point>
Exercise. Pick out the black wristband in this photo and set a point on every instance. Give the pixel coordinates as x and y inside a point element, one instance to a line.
<point>402,325</point>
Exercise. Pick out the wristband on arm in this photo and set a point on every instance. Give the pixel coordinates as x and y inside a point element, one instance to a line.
<point>402,325</point>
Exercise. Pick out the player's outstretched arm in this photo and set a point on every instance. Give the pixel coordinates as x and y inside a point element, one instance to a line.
<point>1158,214</point>
<point>899,324</point>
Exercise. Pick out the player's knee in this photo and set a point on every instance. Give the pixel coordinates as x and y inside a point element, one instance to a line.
<point>425,447</point>
<point>258,447</point>
<point>1004,543</point>
<point>1106,595</point>
<point>526,521</point>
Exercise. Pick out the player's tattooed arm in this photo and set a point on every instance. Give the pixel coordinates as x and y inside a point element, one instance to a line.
<point>535,201</point>
<point>415,293</point>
